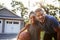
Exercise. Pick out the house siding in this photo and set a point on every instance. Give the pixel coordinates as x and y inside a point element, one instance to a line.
<point>5,15</point>
<point>3,26</point>
<point>22,24</point>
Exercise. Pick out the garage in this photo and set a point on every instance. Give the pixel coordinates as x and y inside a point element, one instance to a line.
<point>10,23</point>
<point>12,26</point>
<point>1,25</point>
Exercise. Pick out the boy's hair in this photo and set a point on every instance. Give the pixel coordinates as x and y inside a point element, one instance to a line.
<point>31,13</point>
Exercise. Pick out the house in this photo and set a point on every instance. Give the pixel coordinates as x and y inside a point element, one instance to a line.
<point>9,22</point>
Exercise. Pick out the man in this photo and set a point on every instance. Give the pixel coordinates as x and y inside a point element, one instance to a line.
<point>48,23</point>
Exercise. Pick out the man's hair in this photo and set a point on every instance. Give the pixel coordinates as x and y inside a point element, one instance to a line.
<point>39,10</point>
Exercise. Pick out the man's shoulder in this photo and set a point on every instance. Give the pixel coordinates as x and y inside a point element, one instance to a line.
<point>49,17</point>
<point>52,19</point>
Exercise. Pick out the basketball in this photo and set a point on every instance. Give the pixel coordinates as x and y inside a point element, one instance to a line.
<point>24,36</point>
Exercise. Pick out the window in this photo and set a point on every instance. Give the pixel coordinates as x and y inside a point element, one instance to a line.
<point>9,22</point>
<point>59,12</point>
<point>0,21</point>
<point>15,22</point>
<point>59,22</point>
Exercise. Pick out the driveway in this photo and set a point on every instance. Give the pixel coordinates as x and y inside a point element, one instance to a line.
<point>8,36</point>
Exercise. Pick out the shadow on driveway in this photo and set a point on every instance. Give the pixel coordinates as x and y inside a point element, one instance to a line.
<point>8,36</point>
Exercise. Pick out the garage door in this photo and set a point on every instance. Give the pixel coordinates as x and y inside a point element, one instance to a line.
<point>1,23</point>
<point>12,26</point>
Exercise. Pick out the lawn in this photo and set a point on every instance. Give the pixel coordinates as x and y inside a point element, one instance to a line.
<point>42,35</point>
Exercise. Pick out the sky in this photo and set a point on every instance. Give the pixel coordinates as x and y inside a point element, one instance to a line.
<point>26,2</point>
<point>31,4</point>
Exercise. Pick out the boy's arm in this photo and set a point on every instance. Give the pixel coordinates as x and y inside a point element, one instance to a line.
<point>26,26</point>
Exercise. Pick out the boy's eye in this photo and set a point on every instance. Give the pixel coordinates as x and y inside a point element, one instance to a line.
<point>33,17</point>
<point>38,15</point>
<point>30,18</point>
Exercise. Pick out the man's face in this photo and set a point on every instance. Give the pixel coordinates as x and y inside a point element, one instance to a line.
<point>40,16</point>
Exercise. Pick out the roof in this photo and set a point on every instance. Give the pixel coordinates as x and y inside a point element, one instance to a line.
<point>5,13</point>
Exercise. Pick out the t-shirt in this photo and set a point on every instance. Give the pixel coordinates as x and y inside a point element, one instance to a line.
<point>34,31</point>
<point>50,23</point>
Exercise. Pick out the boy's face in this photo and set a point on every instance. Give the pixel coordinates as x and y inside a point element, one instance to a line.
<point>40,16</point>
<point>32,19</point>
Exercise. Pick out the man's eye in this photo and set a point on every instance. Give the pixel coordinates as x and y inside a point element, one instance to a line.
<point>41,14</point>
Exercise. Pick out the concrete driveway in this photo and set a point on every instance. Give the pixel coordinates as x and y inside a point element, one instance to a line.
<point>8,36</point>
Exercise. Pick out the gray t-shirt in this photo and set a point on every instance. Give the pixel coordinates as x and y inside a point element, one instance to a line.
<point>34,31</point>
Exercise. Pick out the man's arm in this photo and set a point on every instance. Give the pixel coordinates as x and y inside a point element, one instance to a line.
<point>57,29</point>
<point>55,25</point>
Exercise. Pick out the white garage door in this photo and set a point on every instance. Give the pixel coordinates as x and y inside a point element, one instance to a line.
<point>12,26</point>
<point>1,23</point>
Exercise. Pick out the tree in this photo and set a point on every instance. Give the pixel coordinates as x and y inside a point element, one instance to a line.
<point>1,5</point>
<point>20,7</point>
<point>50,10</point>
<point>58,0</point>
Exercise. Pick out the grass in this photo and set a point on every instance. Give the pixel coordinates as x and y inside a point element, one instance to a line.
<point>42,35</point>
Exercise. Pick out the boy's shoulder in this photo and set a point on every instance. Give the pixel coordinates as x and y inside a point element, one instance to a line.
<point>27,24</point>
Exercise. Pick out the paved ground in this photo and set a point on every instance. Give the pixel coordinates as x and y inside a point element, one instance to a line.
<point>8,36</point>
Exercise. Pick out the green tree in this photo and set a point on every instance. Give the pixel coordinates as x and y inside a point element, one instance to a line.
<point>58,0</point>
<point>1,5</point>
<point>50,9</point>
<point>20,7</point>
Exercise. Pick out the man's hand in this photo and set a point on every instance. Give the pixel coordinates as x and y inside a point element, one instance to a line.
<point>58,33</point>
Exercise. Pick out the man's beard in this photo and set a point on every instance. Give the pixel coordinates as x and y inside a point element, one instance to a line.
<point>41,20</point>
